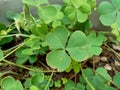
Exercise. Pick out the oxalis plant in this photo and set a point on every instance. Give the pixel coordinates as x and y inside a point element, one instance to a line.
<point>110,16</point>
<point>63,34</point>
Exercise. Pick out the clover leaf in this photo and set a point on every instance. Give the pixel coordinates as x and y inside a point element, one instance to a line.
<point>77,46</point>
<point>58,38</point>
<point>47,13</point>
<point>109,12</point>
<point>9,83</point>
<point>79,8</point>
<point>58,59</point>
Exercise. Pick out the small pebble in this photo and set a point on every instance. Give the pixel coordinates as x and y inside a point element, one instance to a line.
<point>104,59</point>
<point>108,67</point>
<point>116,47</point>
<point>117,63</point>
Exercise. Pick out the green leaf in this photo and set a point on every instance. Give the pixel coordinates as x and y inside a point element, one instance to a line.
<point>70,85</point>
<point>56,23</point>
<point>47,13</point>
<point>1,55</point>
<point>59,15</point>
<point>76,49</point>
<point>95,39</point>
<point>93,43</point>
<point>71,15</point>
<point>34,88</point>
<point>27,51</point>
<point>22,60</point>
<point>80,86</point>
<point>9,83</point>
<point>102,72</point>
<point>32,58</point>
<point>27,83</point>
<point>78,3</point>
<point>109,12</point>
<point>81,17</point>
<point>92,3</point>
<point>35,2</point>
<point>58,38</point>
<point>108,88</point>
<point>116,79</point>
<point>79,39</point>
<point>108,19</point>
<point>85,8</point>
<point>105,8</point>
<point>76,67</point>
<point>37,79</point>
<point>118,37</point>
<point>94,50</point>
<point>2,26</point>
<point>5,40</point>
<point>116,4</point>
<point>59,60</point>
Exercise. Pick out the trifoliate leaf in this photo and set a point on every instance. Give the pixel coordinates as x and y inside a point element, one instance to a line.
<point>108,19</point>
<point>105,8</point>
<point>81,17</point>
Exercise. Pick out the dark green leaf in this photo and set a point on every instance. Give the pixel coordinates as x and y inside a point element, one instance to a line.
<point>37,79</point>
<point>80,86</point>
<point>70,85</point>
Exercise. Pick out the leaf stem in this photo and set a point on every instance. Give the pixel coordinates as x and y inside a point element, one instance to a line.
<point>86,79</point>
<point>113,51</point>
<point>49,81</point>
<point>24,35</point>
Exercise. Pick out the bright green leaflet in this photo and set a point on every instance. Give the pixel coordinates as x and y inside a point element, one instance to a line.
<point>79,8</point>
<point>34,88</point>
<point>9,83</point>
<point>47,13</point>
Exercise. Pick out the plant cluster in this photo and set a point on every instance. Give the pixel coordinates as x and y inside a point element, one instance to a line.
<point>61,33</point>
